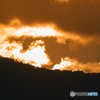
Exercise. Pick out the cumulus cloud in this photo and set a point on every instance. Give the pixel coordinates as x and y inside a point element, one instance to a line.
<point>73,65</point>
<point>55,40</point>
<point>34,55</point>
<point>45,44</point>
<point>17,28</point>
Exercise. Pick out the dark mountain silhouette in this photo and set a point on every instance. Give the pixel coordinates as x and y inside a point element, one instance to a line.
<point>20,81</point>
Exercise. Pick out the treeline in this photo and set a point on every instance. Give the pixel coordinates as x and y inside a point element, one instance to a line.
<point>20,81</point>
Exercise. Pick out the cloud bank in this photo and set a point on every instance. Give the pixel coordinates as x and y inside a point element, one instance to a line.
<point>52,29</point>
<point>73,65</point>
<point>38,46</point>
<point>76,16</point>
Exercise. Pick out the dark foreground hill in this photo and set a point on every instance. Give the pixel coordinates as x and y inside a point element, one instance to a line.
<point>24,82</point>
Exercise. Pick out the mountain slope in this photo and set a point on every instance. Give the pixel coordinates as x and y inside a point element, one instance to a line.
<point>20,81</point>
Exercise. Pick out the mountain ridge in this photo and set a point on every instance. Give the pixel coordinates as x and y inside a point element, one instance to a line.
<point>24,82</point>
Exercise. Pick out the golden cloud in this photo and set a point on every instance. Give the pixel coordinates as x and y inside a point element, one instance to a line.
<point>36,53</point>
<point>73,65</point>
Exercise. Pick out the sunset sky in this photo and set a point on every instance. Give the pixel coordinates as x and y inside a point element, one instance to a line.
<point>55,34</point>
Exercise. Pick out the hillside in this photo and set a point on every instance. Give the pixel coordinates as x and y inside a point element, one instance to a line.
<point>20,81</point>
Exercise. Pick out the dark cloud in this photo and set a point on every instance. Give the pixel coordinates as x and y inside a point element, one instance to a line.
<point>83,54</point>
<point>79,16</point>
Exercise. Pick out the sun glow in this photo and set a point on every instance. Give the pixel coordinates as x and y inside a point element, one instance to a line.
<point>73,65</point>
<point>35,54</point>
<point>64,62</point>
<point>31,31</point>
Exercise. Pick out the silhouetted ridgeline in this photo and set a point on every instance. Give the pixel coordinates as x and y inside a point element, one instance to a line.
<point>20,81</point>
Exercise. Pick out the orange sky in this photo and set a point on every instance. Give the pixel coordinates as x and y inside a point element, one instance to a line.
<point>53,34</point>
